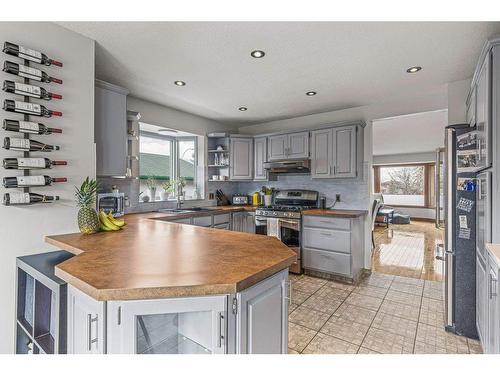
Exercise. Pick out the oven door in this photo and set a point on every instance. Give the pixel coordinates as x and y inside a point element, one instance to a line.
<point>289,232</point>
<point>261,225</point>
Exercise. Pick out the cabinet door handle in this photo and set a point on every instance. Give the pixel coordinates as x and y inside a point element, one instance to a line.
<point>479,148</point>
<point>90,340</point>
<point>493,281</point>
<point>326,234</point>
<point>221,330</point>
<point>289,298</point>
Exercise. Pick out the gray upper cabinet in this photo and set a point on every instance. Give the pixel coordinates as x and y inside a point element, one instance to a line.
<point>344,151</point>
<point>260,157</point>
<point>288,146</point>
<point>321,153</point>
<point>110,129</point>
<point>483,114</point>
<point>241,158</point>
<point>471,107</point>
<point>277,146</point>
<point>333,152</point>
<point>298,145</point>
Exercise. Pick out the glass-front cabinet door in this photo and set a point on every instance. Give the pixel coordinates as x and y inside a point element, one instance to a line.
<point>193,325</point>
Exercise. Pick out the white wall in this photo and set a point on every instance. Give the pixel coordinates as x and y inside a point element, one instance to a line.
<point>457,96</point>
<point>22,230</point>
<point>414,133</point>
<point>157,114</point>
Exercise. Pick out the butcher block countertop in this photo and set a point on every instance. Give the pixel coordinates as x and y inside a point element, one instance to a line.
<point>337,213</point>
<point>156,259</point>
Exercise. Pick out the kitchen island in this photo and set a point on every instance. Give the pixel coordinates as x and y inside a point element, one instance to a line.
<point>162,287</point>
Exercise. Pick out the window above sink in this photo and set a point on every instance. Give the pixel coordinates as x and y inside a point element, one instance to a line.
<point>167,156</point>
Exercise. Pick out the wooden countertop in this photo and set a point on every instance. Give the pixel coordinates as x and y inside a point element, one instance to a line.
<point>494,250</point>
<point>157,259</point>
<point>338,213</point>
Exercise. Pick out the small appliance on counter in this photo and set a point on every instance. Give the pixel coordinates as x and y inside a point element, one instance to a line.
<point>240,199</point>
<point>111,202</point>
<point>256,198</point>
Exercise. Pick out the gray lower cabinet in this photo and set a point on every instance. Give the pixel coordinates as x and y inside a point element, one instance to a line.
<point>334,152</point>
<point>333,245</point>
<point>262,317</point>
<point>86,324</point>
<point>110,129</point>
<point>243,222</point>
<point>481,297</point>
<point>488,302</point>
<point>254,320</point>
<point>492,338</point>
<point>260,157</point>
<point>241,158</point>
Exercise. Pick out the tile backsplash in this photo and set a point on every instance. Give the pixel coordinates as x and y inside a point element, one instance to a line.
<point>354,193</point>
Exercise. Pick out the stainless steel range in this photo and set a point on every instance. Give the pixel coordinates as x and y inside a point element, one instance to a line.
<point>283,218</point>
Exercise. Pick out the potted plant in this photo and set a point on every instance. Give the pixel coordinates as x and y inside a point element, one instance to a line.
<point>166,186</point>
<point>268,194</point>
<point>88,221</point>
<point>151,184</point>
<point>176,187</point>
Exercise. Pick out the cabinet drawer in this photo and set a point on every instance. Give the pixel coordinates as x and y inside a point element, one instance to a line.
<point>182,221</point>
<point>327,261</point>
<point>327,239</point>
<point>327,222</point>
<point>219,219</point>
<point>203,221</point>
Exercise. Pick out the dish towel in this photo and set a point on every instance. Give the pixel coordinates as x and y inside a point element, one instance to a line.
<point>273,228</point>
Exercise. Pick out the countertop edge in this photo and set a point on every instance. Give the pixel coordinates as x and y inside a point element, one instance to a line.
<point>335,213</point>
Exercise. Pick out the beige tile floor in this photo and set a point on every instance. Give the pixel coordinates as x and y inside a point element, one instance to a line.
<point>384,314</point>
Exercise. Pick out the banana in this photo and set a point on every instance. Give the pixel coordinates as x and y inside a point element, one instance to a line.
<point>106,224</point>
<point>118,223</point>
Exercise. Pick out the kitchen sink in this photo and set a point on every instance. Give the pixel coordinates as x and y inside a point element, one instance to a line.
<point>182,210</point>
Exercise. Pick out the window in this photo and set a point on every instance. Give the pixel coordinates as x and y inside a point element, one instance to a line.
<point>405,185</point>
<point>167,158</point>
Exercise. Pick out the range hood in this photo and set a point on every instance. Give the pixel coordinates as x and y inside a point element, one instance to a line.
<point>288,166</point>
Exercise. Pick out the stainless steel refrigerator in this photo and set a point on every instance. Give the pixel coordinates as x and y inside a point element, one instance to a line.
<point>459,251</point>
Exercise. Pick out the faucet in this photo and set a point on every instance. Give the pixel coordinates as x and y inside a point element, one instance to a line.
<point>179,195</point>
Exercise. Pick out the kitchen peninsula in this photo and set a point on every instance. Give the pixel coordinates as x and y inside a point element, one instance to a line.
<point>162,287</point>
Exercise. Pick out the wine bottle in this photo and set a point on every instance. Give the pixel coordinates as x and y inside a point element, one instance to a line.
<point>28,72</point>
<point>28,127</point>
<point>31,163</point>
<point>20,144</point>
<point>28,181</point>
<point>29,54</point>
<point>29,108</point>
<point>15,198</point>
<point>29,90</point>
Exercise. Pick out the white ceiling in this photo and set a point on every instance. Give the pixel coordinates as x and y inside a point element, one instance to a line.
<point>420,132</point>
<point>348,64</point>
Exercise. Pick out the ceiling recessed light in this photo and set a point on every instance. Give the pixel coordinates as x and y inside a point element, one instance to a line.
<point>257,54</point>
<point>311,93</point>
<point>179,83</point>
<point>243,109</point>
<point>414,69</point>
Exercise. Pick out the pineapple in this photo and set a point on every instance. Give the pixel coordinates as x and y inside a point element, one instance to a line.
<point>88,221</point>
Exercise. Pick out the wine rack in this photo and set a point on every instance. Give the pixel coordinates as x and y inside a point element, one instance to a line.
<point>29,58</point>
